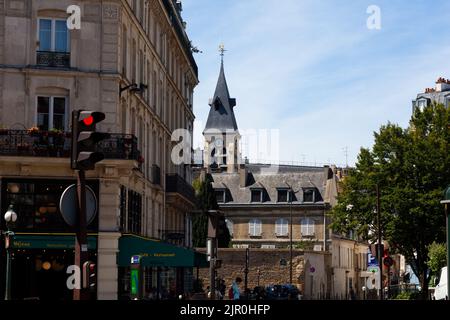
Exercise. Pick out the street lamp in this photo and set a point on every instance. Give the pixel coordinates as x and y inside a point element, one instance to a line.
<point>10,218</point>
<point>446,202</point>
<point>364,291</point>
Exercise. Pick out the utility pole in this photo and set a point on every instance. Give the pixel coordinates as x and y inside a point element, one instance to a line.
<point>380,247</point>
<point>212,268</point>
<point>290,236</point>
<point>81,247</point>
<point>247,258</point>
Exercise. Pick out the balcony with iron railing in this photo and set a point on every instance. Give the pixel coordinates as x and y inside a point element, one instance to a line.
<point>176,237</point>
<point>176,184</point>
<point>26,143</point>
<point>53,59</point>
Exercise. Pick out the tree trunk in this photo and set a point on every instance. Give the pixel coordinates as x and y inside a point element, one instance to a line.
<point>424,285</point>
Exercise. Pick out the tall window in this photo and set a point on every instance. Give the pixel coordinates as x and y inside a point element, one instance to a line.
<point>124,50</point>
<point>53,35</point>
<point>51,113</point>
<point>230,226</point>
<point>134,212</point>
<point>307,227</point>
<point>281,227</point>
<point>254,228</point>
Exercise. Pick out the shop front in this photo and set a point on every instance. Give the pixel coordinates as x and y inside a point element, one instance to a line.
<point>168,269</point>
<point>43,245</point>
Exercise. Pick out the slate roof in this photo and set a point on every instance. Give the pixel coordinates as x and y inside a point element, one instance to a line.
<point>299,178</point>
<point>221,115</point>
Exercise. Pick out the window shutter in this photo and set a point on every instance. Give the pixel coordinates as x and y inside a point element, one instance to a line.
<point>311,227</point>
<point>284,230</point>
<point>257,227</point>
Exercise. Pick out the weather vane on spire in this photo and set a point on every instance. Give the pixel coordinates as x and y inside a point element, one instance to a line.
<point>222,50</point>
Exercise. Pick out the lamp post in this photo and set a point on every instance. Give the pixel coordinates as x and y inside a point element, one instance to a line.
<point>364,291</point>
<point>446,203</point>
<point>10,218</point>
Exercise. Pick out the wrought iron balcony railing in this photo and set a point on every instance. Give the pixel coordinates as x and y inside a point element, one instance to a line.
<point>175,183</point>
<point>173,236</point>
<point>53,59</point>
<point>57,144</point>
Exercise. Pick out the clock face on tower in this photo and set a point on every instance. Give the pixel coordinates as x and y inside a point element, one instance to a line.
<point>219,143</point>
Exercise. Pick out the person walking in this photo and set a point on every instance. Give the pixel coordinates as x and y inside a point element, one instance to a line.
<point>236,290</point>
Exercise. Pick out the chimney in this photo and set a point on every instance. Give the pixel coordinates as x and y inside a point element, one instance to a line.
<point>442,85</point>
<point>243,173</point>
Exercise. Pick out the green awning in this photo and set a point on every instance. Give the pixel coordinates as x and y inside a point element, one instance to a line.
<point>155,253</point>
<point>49,241</point>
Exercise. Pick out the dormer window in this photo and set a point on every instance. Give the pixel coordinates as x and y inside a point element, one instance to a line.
<point>309,195</point>
<point>421,104</point>
<point>283,195</point>
<point>257,195</point>
<point>220,196</point>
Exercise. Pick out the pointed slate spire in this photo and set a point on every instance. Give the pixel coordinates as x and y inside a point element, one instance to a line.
<point>221,116</point>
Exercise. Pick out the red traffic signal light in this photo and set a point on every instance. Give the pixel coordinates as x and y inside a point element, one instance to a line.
<point>84,139</point>
<point>89,120</point>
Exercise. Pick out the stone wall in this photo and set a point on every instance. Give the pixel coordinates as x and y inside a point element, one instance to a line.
<point>267,261</point>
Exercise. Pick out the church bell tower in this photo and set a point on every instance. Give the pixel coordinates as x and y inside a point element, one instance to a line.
<point>221,131</point>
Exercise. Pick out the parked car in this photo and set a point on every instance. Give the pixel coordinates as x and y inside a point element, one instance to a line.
<point>440,292</point>
<point>283,292</point>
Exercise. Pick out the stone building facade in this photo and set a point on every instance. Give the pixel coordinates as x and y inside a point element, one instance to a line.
<point>131,60</point>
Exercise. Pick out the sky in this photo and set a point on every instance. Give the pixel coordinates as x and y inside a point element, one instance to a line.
<point>315,72</point>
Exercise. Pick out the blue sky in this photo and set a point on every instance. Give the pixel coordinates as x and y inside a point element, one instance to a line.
<point>313,70</point>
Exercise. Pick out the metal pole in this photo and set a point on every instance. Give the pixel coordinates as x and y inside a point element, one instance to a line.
<point>290,236</point>
<point>247,257</point>
<point>81,249</point>
<point>448,250</point>
<point>212,270</point>
<point>380,251</point>
<point>8,267</point>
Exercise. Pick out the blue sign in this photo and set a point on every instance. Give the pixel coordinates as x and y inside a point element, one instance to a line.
<point>135,259</point>
<point>371,260</point>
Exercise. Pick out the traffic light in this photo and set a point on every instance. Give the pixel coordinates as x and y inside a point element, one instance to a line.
<point>89,275</point>
<point>85,138</point>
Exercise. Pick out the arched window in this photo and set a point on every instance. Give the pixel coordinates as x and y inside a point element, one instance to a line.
<point>229,223</point>
<point>281,227</point>
<point>254,228</point>
<point>307,227</point>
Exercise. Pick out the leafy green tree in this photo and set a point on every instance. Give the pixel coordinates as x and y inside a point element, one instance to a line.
<point>206,200</point>
<point>412,168</point>
<point>437,255</point>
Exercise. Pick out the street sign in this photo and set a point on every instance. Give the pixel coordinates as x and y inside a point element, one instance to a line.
<point>69,210</point>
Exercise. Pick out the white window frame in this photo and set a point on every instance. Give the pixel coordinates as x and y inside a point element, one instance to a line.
<point>281,227</point>
<point>230,225</point>
<point>53,33</point>
<point>422,103</point>
<point>314,195</point>
<point>50,110</point>
<point>307,227</point>
<point>255,228</point>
